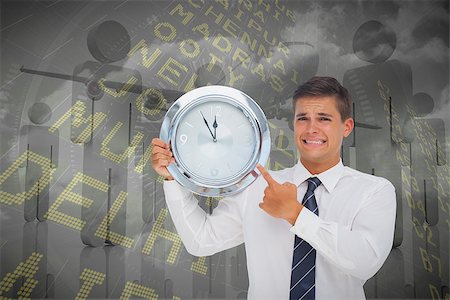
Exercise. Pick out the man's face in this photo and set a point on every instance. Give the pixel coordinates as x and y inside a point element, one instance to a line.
<point>319,131</point>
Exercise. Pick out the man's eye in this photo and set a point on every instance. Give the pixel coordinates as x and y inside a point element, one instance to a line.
<point>301,118</point>
<point>325,119</point>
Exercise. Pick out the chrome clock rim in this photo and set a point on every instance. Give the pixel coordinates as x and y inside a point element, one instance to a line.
<point>245,103</point>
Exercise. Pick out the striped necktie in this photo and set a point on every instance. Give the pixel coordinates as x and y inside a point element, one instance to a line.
<point>304,258</point>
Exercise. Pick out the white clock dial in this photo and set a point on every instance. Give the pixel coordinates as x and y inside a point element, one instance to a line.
<point>221,147</point>
<point>217,135</point>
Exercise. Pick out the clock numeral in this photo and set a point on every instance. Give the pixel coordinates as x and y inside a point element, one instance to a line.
<point>183,139</point>
<point>214,172</point>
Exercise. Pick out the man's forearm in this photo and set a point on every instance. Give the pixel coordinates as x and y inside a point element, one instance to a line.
<point>203,234</point>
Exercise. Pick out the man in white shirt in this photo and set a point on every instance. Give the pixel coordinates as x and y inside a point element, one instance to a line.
<point>343,228</point>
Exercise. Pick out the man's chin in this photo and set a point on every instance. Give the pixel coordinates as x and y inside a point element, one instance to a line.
<point>311,159</point>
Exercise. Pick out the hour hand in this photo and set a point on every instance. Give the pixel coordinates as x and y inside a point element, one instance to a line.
<point>215,127</point>
<point>207,125</point>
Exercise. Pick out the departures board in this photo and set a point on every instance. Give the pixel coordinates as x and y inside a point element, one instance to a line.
<point>84,87</point>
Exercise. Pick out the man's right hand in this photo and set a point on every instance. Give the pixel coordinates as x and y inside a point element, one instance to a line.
<point>161,157</point>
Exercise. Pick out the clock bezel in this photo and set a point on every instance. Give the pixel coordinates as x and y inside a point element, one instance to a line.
<point>261,151</point>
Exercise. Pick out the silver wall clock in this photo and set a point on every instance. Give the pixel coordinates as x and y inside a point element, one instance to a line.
<point>217,135</point>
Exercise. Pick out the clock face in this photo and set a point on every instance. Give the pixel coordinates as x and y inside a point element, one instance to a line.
<point>216,140</point>
<point>218,135</point>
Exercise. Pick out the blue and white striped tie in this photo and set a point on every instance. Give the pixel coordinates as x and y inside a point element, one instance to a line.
<point>304,258</point>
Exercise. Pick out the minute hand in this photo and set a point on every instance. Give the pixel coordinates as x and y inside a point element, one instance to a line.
<point>207,125</point>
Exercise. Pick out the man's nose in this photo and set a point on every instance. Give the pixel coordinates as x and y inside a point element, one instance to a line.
<point>312,126</point>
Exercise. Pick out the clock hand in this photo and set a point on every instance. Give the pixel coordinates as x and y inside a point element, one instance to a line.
<point>206,122</point>
<point>215,127</point>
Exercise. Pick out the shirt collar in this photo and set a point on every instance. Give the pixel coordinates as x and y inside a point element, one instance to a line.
<point>329,178</point>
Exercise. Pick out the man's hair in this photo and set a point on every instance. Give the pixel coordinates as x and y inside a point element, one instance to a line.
<point>326,86</point>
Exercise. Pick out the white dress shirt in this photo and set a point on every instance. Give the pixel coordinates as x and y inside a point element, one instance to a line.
<point>353,233</point>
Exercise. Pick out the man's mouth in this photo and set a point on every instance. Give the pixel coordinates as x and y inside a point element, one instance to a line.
<point>314,142</point>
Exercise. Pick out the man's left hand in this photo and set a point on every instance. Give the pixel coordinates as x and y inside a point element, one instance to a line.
<point>280,200</point>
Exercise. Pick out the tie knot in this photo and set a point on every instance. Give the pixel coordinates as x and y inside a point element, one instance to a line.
<point>313,183</point>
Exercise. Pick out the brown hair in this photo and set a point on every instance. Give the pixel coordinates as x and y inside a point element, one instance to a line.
<point>326,86</point>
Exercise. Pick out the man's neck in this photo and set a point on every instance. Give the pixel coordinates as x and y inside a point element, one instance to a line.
<point>317,168</point>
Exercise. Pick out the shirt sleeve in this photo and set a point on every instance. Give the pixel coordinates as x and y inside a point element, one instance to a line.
<point>205,234</point>
<point>360,249</point>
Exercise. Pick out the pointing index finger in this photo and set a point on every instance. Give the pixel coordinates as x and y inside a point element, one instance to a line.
<point>266,175</point>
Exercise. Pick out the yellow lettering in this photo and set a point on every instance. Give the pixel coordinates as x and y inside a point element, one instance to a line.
<point>426,260</point>
<point>247,4</point>
<point>68,195</point>
<point>277,15</point>
<point>222,43</point>
<point>241,56</point>
<point>384,97</point>
<point>234,77</point>
<point>225,3</point>
<point>209,201</point>
<point>276,83</point>
<point>89,278</point>
<point>280,66</point>
<point>434,292</point>
<point>103,229</point>
<point>137,290</point>
<point>165,37</point>
<point>278,166</point>
<point>158,230</point>
<point>254,25</point>
<point>180,10</point>
<point>118,158</point>
<point>277,4</point>
<point>274,40</point>
<point>142,102</point>
<point>143,47</point>
<point>409,199</point>
<point>266,5</point>
<point>77,112</point>
<point>247,40</point>
<point>194,52</point>
<point>414,184</point>
<point>263,52</point>
<point>144,159</point>
<point>259,69</point>
<point>294,77</point>
<point>202,29</point>
<point>382,86</point>
<point>47,170</point>
<point>283,49</point>
<point>218,16</point>
<point>190,85</point>
<point>239,14</point>
<point>173,67</point>
<point>213,61</point>
<point>23,270</point>
<point>291,15</point>
<point>200,266</point>
<point>195,5</point>
<point>259,14</point>
<point>400,158</point>
<point>231,27</point>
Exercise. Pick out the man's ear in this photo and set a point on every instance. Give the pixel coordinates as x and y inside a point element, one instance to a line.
<point>348,125</point>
